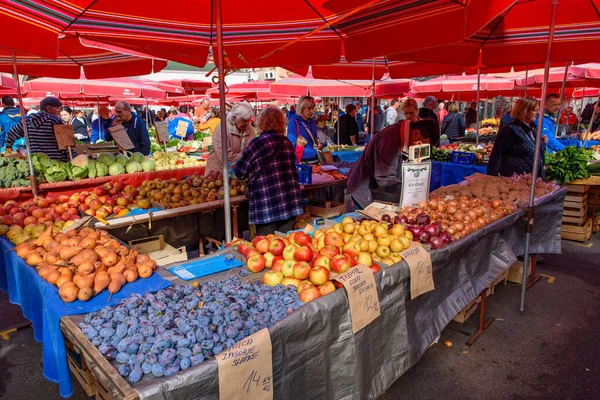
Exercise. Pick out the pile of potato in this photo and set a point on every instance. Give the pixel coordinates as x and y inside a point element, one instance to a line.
<point>84,263</point>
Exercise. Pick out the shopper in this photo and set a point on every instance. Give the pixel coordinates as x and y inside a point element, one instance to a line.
<point>379,118</point>
<point>323,132</point>
<point>40,127</point>
<point>507,118</point>
<point>269,165</point>
<point>568,117</point>
<point>202,112</point>
<point>302,130</point>
<point>426,112</point>
<point>410,109</point>
<point>359,118</point>
<point>212,123</point>
<point>453,124</point>
<point>182,118</point>
<point>549,123</point>
<point>9,117</point>
<point>134,126</point>
<point>471,115</point>
<point>79,128</point>
<point>441,112</point>
<point>514,149</point>
<point>100,125</point>
<point>348,126</point>
<point>596,119</point>
<point>391,114</point>
<point>239,134</point>
<point>380,165</point>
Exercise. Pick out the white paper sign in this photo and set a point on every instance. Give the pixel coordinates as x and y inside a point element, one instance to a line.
<point>415,183</point>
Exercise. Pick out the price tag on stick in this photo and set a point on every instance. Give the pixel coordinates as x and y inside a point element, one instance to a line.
<point>65,136</point>
<point>362,295</point>
<point>246,369</point>
<point>162,131</point>
<point>182,127</point>
<point>119,134</point>
<point>421,270</point>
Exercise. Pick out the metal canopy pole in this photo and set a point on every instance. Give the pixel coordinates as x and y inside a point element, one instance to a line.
<point>339,101</point>
<point>589,129</point>
<point>526,78</point>
<point>478,99</point>
<point>372,121</point>
<point>581,110</point>
<point>562,97</point>
<point>224,158</point>
<point>32,179</point>
<point>536,158</point>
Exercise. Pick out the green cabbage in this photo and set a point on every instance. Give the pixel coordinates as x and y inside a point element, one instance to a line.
<point>122,159</point>
<point>92,173</point>
<point>106,159</point>
<point>116,169</point>
<point>81,161</point>
<point>57,172</point>
<point>133,166</point>
<point>148,165</point>
<point>41,162</point>
<point>137,157</point>
<point>101,169</point>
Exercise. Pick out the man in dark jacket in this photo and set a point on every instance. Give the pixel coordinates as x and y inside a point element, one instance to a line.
<point>471,115</point>
<point>348,126</point>
<point>9,117</point>
<point>135,127</point>
<point>426,112</point>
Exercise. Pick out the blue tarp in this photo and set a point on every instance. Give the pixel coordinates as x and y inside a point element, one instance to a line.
<point>41,305</point>
<point>348,156</point>
<point>451,173</point>
<point>579,143</point>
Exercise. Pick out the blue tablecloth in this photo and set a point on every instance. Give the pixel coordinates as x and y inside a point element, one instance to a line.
<point>447,173</point>
<point>348,156</point>
<point>579,143</point>
<point>41,305</point>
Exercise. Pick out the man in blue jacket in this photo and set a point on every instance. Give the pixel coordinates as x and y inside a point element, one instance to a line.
<point>135,127</point>
<point>549,123</point>
<point>9,117</point>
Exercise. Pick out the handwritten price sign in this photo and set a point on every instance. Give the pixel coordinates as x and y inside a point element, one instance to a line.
<point>421,270</point>
<point>359,283</point>
<point>246,369</point>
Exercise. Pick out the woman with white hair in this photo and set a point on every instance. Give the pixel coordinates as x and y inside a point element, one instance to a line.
<point>239,134</point>
<point>302,130</point>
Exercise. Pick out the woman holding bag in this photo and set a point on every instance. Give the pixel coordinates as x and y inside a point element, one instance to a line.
<point>302,130</point>
<point>453,124</point>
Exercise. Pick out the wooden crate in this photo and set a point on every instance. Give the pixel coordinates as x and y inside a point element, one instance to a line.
<point>331,209</point>
<point>515,273</point>
<point>577,188</point>
<point>501,278</point>
<point>81,371</point>
<point>466,312</point>
<point>576,232</point>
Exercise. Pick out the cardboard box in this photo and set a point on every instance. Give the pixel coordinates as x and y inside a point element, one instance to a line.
<point>159,250</point>
<point>377,209</point>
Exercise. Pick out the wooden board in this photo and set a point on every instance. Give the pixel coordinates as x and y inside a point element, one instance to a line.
<point>83,376</point>
<point>65,136</point>
<point>577,188</point>
<point>591,181</point>
<point>464,315</point>
<point>104,373</point>
<point>575,212</point>
<point>574,220</point>
<point>331,209</point>
<point>577,233</point>
<point>576,198</point>
<point>501,278</point>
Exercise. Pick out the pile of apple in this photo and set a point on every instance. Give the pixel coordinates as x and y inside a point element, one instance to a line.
<point>28,220</point>
<point>306,262</point>
<point>113,198</point>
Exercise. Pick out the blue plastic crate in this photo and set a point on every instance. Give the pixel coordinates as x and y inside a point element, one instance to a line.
<point>304,174</point>
<point>462,157</point>
<point>207,266</point>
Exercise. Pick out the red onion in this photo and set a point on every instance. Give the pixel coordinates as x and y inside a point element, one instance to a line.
<point>436,242</point>
<point>386,218</point>
<point>416,230</point>
<point>423,219</point>
<point>445,237</point>
<point>424,236</point>
<point>433,229</point>
<point>397,220</point>
<point>404,219</point>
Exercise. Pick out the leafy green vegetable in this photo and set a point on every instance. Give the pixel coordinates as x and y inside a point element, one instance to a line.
<point>148,165</point>
<point>40,162</point>
<point>133,166</point>
<point>106,159</point>
<point>567,165</point>
<point>199,135</point>
<point>116,169</point>
<point>101,169</point>
<point>173,143</point>
<point>57,172</point>
<point>137,157</point>
<point>81,161</point>
<point>92,169</point>
<point>78,172</point>
<point>122,159</point>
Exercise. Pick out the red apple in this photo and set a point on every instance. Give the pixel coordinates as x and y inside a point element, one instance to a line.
<point>26,205</point>
<point>73,203</point>
<point>123,201</point>
<point>43,219</point>
<point>351,249</point>
<point>20,216</point>
<point>113,192</point>
<point>60,209</point>
<point>128,189</point>
<point>74,217</point>
<point>333,239</point>
<point>256,263</point>
<point>302,238</point>
<point>327,288</point>
<point>42,202</point>
<point>272,278</point>
<point>110,202</point>
<point>330,251</point>
<point>304,253</point>
<point>83,207</point>
<point>118,209</point>
<point>102,213</point>
<point>277,263</point>
<point>15,210</point>
<point>288,280</point>
<point>89,211</point>
<point>95,204</point>
<point>82,197</point>
<point>269,257</point>
<point>103,198</point>
<point>119,185</point>
<point>375,268</point>
<point>262,246</point>
<point>30,210</point>
<point>2,211</point>
<point>128,196</point>
<point>100,191</point>
<point>301,270</point>
<point>37,213</point>
<point>257,239</point>
<point>304,284</point>
<point>73,211</point>
<point>243,247</point>
<point>51,198</point>
<point>319,275</point>
<point>309,294</point>
<point>340,263</point>
<point>29,220</point>
<point>251,253</point>
<point>62,199</point>
<point>321,261</point>
<point>276,247</point>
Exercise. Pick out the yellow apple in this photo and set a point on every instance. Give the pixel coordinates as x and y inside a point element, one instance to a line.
<point>397,257</point>
<point>405,241</point>
<point>408,234</point>
<point>384,240</point>
<point>347,220</point>
<point>363,244</point>
<point>369,236</point>
<point>364,258</point>
<point>372,246</point>
<point>383,251</point>
<point>397,230</point>
<point>379,230</point>
<point>349,228</point>
<point>396,246</point>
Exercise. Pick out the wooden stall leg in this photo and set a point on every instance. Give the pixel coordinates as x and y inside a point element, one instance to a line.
<point>532,278</point>
<point>234,217</point>
<point>483,323</point>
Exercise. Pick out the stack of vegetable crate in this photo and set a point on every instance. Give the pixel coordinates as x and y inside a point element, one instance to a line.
<point>593,201</point>
<point>576,225</point>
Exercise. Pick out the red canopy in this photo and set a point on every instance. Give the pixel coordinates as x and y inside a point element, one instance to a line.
<point>589,92</point>
<point>75,53</point>
<point>91,88</point>
<point>191,86</point>
<point>255,90</point>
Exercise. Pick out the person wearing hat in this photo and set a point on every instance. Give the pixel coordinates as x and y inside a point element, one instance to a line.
<point>380,165</point>
<point>9,117</point>
<point>40,127</point>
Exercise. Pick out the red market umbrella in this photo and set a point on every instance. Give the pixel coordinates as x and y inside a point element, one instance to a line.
<point>190,86</point>
<point>170,90</point>
<point>93,88</point>
<point>75,54</point>
<point>248,90</point>
<point>587,92</point>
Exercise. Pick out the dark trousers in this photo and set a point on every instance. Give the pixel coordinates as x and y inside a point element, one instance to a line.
<point>282,226</point>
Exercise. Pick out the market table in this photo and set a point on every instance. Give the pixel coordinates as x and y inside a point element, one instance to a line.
<point>579,143</point>
<point>449,173</point>
<point>314,350</point>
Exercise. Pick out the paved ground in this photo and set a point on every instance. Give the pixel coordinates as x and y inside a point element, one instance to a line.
<point>549,352</point>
